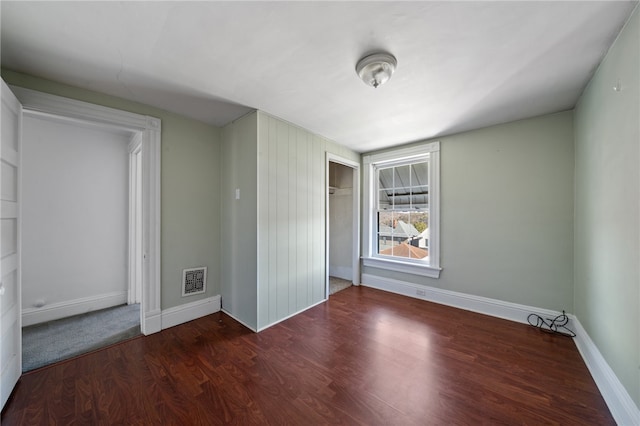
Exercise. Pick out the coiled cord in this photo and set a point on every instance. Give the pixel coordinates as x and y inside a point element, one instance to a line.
<point>556,325</point>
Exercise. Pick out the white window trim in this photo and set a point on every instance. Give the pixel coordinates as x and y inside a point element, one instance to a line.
<point>370,258</point>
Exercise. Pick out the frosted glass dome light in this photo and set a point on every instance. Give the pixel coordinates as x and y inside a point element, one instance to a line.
<point>376,69</point>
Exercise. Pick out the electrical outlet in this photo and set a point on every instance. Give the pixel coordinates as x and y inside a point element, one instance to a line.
<point>421,292</point>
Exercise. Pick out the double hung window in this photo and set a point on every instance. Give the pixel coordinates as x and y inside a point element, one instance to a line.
<point>402,230</point>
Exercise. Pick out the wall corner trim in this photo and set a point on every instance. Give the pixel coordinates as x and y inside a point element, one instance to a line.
<point>623,409</point>
<point>189,311</point>
<point>620,403</point>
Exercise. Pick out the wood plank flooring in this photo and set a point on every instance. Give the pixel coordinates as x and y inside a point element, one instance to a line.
<point>365,357</point>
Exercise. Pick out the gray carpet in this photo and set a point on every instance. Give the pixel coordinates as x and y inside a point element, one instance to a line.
<point>336,284</point>
<point>53,341</point>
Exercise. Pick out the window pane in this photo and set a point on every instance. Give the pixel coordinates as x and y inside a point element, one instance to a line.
<point>420,221</point>
<point>401,200</point>
<point>385,231</point>
<point>420,174</point>
<point>420,197</point>
<point>403,217</point>
<point>403,177</point>
<point>404,188</point>
<point>399,236</point>
<point>384,201</point>
<point>385,178</point>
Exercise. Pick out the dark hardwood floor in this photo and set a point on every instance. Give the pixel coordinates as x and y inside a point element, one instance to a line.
<point>365,357</point>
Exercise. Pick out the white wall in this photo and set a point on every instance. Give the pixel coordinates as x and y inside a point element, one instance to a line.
<point>75,214</point>
<point>341,222</point>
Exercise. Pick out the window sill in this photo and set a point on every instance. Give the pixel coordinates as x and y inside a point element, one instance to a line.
<point>399,266</point>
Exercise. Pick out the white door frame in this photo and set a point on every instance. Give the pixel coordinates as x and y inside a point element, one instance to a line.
<point>355,248</point>
<point>134,293</point>
<point>10,290</point>
<point>150,128</point>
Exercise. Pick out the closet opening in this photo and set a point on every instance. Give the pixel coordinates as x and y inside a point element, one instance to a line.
<point>342,224</point>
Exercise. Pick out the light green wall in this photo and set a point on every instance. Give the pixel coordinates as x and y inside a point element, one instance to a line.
<point>190,206</point>
<point>190,182</point>
<point>238,219</point>
<point>507,213</point>
<point>607,220</point>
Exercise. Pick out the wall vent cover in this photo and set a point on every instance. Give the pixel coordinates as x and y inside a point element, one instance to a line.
<point>194,281</point>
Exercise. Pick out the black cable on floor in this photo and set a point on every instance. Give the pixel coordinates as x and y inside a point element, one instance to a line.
<point>556,325</point>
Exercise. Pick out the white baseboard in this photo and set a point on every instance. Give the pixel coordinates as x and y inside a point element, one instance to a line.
<point>190,311</point>
<point>469,302</point>
<point>54,311</point>
<point>622,407</point>
<point>152,322</point>
<point>344,272</point>
<point>620,403</point>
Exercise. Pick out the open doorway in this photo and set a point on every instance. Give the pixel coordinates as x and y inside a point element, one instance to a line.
<point>143,135</point>
<point>80,211</point>
<point>343,224</point>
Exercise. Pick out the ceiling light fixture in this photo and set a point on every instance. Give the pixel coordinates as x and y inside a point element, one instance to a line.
<point>376,69</point>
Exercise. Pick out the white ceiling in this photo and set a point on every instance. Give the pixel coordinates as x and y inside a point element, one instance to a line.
<point>461,65</point>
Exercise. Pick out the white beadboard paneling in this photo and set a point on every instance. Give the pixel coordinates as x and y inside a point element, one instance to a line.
<point>292,188</point>
<point>281,221</point>
<point>310,232</point>
<point>263,214</point>
<point>294,218</point>
<point>317,219</point>
<point>302,210</point>
<point>288,255</point>
<point>272,231</point>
